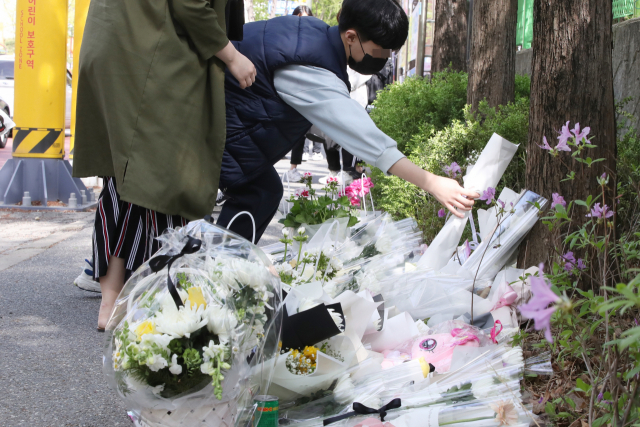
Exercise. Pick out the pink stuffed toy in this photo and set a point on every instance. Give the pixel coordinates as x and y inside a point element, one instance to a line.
<point>436,349</point>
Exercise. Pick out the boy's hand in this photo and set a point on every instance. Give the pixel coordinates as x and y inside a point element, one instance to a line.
<point>448,192</point>
<point>239,65</point>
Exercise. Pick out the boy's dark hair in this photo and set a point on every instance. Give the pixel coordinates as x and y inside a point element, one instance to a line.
<point>302,9</point>
<point>384,22</point>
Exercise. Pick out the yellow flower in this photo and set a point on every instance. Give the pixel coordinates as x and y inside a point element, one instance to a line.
<point>310,353</point>
<point>196,297</point>
<point>146,327</point>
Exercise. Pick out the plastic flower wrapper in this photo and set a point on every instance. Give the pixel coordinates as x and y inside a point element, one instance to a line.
<point>301,373</point>
<point>494,253</point>
<point>486,172</point>
<point>539,365</point>
<point>189,326</point>
<point>334,400</point>
<point>379,237</point>
<point>427,294</point>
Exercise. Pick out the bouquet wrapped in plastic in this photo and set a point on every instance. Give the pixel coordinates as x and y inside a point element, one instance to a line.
<point>191,326</point>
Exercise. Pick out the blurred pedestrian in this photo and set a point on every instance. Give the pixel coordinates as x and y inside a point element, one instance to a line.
<point>150,120</point>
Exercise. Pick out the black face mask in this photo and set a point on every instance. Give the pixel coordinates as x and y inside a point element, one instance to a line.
<point>369,65</point>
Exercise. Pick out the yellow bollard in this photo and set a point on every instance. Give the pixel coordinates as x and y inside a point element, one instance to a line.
<point>82,8</point>
<point>40,78</point>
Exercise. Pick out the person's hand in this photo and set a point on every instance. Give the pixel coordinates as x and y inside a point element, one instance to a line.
<point>239,65</point>
<point>448,192</point>
<point>242,69</point>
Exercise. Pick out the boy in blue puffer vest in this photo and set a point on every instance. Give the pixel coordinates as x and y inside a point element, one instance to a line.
<point>301,80</point>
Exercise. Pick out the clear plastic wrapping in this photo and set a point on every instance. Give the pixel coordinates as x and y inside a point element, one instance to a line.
<point>190,327</point>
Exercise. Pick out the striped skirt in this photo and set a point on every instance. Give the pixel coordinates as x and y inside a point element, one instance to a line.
<point>126,231</point>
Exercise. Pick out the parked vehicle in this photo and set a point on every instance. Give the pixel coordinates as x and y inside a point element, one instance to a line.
<point>7,87</point>
<point>4,106</point>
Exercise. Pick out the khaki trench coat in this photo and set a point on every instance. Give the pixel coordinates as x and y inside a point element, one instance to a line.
<point>151,108</point>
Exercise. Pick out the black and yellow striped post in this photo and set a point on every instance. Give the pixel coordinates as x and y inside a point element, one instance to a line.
<point>39,143</point>
<point>38,166</point>
<point>40,78</point>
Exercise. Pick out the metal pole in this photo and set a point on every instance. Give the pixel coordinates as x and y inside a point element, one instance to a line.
<point>421,38</point>
<point>82,9</point>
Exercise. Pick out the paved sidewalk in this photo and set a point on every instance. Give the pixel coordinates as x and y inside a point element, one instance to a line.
<point>50,352</point>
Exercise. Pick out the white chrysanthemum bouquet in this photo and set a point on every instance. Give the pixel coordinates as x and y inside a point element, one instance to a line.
<point>191,323</point>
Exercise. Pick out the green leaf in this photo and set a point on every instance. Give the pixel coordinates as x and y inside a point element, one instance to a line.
<point>582,385</point>
<point>580,202</point>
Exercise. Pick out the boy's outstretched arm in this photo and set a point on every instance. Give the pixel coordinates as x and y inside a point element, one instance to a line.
<point>447,191</point>
<point>323,99</point>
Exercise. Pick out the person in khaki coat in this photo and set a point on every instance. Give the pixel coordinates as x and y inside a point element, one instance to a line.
<point>151,120</point>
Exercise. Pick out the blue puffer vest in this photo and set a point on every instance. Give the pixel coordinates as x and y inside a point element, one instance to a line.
<point>261,127</point>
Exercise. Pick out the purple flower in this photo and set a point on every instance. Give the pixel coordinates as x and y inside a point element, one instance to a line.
<point>580,135</point>
<point>441,213</point>
<point>600,397</point>
<point>600,212</point>
<point>537,307</point>
<point>604,179</point>
<point>581,264</point>
<point>501,203</point>
<point>545,145</point>
<point>452,170</point>
<point>489,194</point>
<point>565,134</point>
<point>467,248</point>
<point>558,200</point>
<point>570,261</point>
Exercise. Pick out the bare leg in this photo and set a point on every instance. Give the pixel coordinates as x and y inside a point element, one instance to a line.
<point>293,167</point>
<point>110,285</point>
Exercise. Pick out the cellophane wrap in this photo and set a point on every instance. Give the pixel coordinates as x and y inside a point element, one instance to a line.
<point>196,365</point>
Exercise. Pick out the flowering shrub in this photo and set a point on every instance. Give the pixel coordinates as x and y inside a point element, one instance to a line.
<point>311,209</point>
<point>593,334</point>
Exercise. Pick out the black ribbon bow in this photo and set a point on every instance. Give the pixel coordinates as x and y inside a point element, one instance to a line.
<point>161,261</point>
<point>360,409</point>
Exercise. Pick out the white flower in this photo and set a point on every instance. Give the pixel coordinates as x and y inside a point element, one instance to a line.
<point>239,272</point>
<point>221,321</point>
<point>369,281</point>
<point>213,350</point>
<point>484,387</point>
<point>155,362</point>
<point>345,391</point>
<point>513,356</point>
<point>384,244</point>
<point>285,232</point>
<point>182,322</point>
<point>207,368</point>
<point>336,264</point>
<point>155,342</point>
<point>337,318</point>
<point>175,368</point>
<point>301,231</point>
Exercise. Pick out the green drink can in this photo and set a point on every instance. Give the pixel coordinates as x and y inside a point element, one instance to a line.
<point>266,411</point>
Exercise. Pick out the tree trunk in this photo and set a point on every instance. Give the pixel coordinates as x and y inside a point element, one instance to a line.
<point>450,38</point>
<point>572,80</point>
<point>492,68</point>
<point>274,3</point>
<point>249,11</point>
